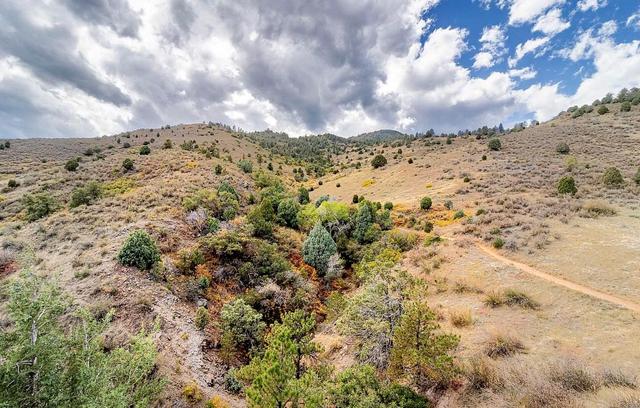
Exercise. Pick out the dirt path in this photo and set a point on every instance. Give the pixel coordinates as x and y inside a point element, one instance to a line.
<point>627,304</point>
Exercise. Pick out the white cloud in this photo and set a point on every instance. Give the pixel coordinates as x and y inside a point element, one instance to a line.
<point>608,28</point>
<point>585,5</point>
<point>634,21</point>
<point>551,23</point>
<point>523,73</point>
<point>527,47</point>
<point>346,67</point>
<point>483,59</point>
<point>493,47</point>
<point>524,11</point>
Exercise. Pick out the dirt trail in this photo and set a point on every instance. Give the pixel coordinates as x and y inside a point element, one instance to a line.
<point>627,304</point>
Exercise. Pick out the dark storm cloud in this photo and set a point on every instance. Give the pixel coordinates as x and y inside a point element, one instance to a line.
<point>315,59</point>
<point>115,14</point>
<point>49,52</point>
<point>182,17</point>
<point>27,111</point>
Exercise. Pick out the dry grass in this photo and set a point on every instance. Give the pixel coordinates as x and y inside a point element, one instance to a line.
<point>502,345</point>
<point>461,318</point>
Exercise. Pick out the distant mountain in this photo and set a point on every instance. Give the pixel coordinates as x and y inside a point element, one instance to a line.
<point>381,135</point>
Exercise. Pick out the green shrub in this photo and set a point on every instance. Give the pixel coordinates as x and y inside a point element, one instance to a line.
<point>127,164</point>
<point>71,165</point>
<point>167,144</point>
<point>425,203</point>
<point>602,110</point>
<point>567,185</point>
<point>13,184</point>
<point>139,250</point>
<point>218,169</point>
<point>145,150</point>
<point>288,212</point>
<point>612,177</point>
<point>625,107</point>
<point>448,204</point>
<point>188,259</point>
<point>355,199</point>
<point>245,165</point>
<point>484,157</point>
<point>494,144</point>
<point>242,326</point>
<point>38,205</point>
<point>458,214</point>
<point>378,161</point>
<point>85,195</point>
<point>388,206</point>
<point>562,148</point>
<point>498,243</point>
<point>303,196</point>
<point>318,248</point>
<point>202,318</point>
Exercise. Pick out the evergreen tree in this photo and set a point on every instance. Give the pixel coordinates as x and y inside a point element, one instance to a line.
<point>303,196</point>
<point>288,212</point>
<point>277,378</point>
<point>318,248</point>
<point>419,351</point>
<point>363,222</point>
<point>43,365</point>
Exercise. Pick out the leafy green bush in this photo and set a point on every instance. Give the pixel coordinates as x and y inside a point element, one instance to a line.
<point>388,206</point>
<point>242,326</point>
<point>494,144</point>
<point>303,196</point>
<point>318,248</point>
<point>498,243</point>
<point>139,250</point>
<point>612,177</point>
<point>127,164</point>
<point>458,214</point>
<point>202,318</point>
<point>425,203</point>
<point>625,107</point>
<point>72,165</point>
<point>218,169</point>
<point>567,185</point>
<point>602,110</point>
<point>562,148</point>
<point>288,212</point>
<point>12,183</point>
<point>85,195</point>
<point>378,161</point>
<point>145,150</point>
<point>245,165</point>
<point>39,205</point>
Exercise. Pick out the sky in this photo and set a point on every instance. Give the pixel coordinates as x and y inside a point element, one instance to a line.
<point>85,68</point>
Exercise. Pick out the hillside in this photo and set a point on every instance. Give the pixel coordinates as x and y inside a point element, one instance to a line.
<point>289,270</point>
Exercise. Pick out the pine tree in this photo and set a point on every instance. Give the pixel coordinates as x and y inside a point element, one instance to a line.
<point>318,248</point>
<point>419,351</point>
<point>277,378</point>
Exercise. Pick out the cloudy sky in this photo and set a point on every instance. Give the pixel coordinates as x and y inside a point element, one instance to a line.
<point>94,67</point>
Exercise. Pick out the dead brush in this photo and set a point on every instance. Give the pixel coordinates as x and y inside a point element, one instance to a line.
<point>596,208</point>
<point>461,318</point>
<point>575,376</point>
<point>516,298</point>
<point>482,374</point>
<point>501,345</point>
